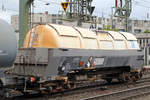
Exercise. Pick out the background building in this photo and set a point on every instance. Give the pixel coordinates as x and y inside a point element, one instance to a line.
<point>144,42</point>
<point>135,26</point>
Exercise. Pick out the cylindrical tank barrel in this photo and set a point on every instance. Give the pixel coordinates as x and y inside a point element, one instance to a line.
<point>60,36</point>
<point>8,45</point>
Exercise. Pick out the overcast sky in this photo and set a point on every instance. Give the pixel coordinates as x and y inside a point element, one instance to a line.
<point>139,11</point>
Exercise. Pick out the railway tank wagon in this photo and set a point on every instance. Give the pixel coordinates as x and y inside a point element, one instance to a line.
<point>8,50</point>
<point>8,45</point>
<point>62,52</point>
<point>57,56</point>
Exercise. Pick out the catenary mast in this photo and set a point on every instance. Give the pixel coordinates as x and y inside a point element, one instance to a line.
<point>123,10</point>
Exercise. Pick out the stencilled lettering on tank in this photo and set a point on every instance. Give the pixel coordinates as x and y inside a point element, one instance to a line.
<point>99,61</point>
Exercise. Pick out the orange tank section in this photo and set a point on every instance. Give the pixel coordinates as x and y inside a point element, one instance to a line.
<point>53,36</point>
<point>42,36</point>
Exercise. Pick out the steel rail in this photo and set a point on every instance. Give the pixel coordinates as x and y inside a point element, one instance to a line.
<point>122,95</point>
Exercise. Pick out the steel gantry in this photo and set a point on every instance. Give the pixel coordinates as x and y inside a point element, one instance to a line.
<point>24,18</point>
<point>123,10</point>
<point>80,11</point>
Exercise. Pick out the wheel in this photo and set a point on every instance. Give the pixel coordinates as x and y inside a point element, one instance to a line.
<point>141,74</point>
<point>109,80</point>
<point>121,80</point>
<point>1,85</point>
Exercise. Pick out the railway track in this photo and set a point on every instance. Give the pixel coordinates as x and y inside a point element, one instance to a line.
<point>124,94</point>
<point>98,89</point>
<point>127,91</point>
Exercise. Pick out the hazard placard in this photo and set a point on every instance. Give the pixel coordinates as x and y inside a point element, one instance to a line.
<point>64,5</point>
<point>91,9</point>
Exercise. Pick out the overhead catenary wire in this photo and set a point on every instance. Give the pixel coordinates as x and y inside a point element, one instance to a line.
<point>144,1</point>
<point>50,2</point>
<point>45,5</point>
<point>14,10</point>
<point>5,8</point>
<point>138,3</point>
<point>143,5</point>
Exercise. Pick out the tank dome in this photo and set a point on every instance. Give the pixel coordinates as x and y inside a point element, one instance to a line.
<point>8,44</point>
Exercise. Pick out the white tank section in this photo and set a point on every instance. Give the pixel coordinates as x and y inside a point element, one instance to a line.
<point>59,36</point>
<point>8,45</point>
<point>131,40</point>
